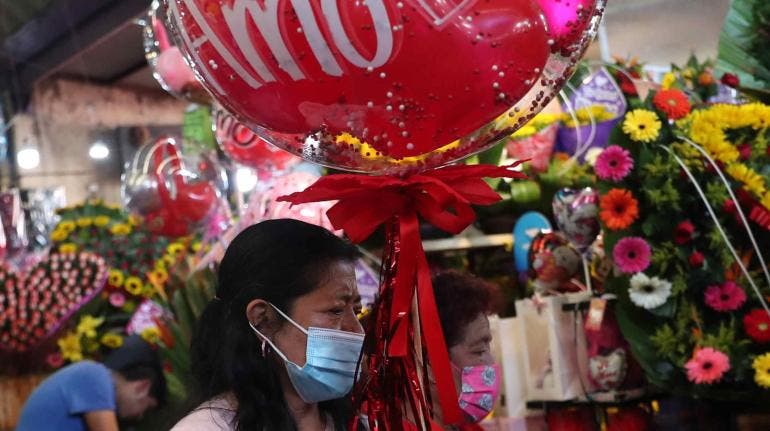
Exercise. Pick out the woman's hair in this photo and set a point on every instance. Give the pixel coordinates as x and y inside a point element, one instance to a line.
<point>460,298</point>
<point>277,261</point>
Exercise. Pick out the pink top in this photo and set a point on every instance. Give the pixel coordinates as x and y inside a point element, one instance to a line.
<point>217,414</point>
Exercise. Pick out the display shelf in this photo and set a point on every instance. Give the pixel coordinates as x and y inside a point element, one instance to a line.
<point>467,242</point>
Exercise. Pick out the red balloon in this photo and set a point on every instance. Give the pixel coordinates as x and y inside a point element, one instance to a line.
<point>407,77</point>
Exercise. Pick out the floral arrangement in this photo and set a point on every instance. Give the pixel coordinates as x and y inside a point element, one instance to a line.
<point>586,115</point>
<point>694,318</point>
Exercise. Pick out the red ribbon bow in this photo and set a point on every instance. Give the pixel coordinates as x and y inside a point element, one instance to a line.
<point>443,197</point>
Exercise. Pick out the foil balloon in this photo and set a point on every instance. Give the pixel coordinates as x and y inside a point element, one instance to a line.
<point>168,65</point>
<point>173,193</point>
<point>245,147</point>
<point>384,86</point>
<point>553,262</point>
<point>314,213</point>
<point>576,213</point>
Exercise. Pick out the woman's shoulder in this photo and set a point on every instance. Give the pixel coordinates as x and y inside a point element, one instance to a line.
<point>216,414</point>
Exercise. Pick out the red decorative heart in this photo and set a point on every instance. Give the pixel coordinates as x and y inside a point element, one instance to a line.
<point>35,304</point>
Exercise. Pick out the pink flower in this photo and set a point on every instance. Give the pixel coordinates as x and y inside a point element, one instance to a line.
<point>727,297</point>
<point>632,254</point>
<point>117,299</point>
<point>614,163</point>
<point>707,366</point>
<point>54,360</point>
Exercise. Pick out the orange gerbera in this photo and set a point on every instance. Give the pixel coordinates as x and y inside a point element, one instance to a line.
<point>673,103</point>
<point>619,209</point>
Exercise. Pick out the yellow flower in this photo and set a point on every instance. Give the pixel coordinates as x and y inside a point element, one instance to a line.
<point>175,248</point>
<point>151,334</point>
<point>66,225</point>
<point>88,325</point>
<point>133,220</point>
<point>134,285</point>
<point>101,221</point>
<point>750,179</point>
<point>68,247</point>
<point>168,260</point>
<point>70,347</point>
<point>669,79</point>
<point>642,125</point>
<point>196,246</point>
<point>160,264</point>
<point>112,340</point>
<point>120,229</point>
<point>158,276</point>
<point>761,366</point>
<point>85,222</point>
<point>766,201</point>
<point>524,132</point>
<point>148,291</point>
<point>116,278</point>
<point>59,235</point>
<point>688,73</point>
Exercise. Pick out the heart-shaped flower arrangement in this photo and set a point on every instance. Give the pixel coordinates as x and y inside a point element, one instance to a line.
<point>35,304</point>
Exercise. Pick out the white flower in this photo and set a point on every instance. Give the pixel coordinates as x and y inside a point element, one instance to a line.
<point>647,292</point>
<point>593,154</point>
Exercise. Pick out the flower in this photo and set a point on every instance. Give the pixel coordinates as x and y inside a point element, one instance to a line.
<point>112,340</point>
<point>683,232</point>
<point>59,235</point>
<point>88,324</point>
<point>116,278</point>
<point>642,125</point>
<point>196,246</point>
<point>647,292</point>
<point>120,229</point>
<point>68,248</point>
<point>669,79</point>
<point>619,209</point>
<point>761,365</point>
<point>706,79</point>
<point>151,334</point>
<point>752,180</point>
<point>70,347</point>
<point>731,80</point>
<point>707,366</point>
<point>175,248</point>
<point>67,226</point>
<point>133,285</point>
<point>101,221</point>
<point>757,325</point>
<point>696,259</point>
<point>727,297</point>
<point>158,276</point>
<point>134,220</point>
<point>673,103</point>
<point>117,299</point>
<point>614,163</point>
<point>632,254</point>
<point>54,360</point>
<point>84,222</point>
<point>592,155</point>
<point>148,291</point>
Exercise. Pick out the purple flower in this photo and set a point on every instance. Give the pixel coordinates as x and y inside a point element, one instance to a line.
<point>614,163</point>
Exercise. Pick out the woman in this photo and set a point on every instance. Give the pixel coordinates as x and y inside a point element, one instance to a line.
<point>278,347</point>
<point>464,302</point>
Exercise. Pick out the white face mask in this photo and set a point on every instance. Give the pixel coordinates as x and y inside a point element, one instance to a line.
<point>331,364</point>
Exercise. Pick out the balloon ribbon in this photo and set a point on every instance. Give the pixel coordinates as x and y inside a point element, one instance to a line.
<point>442,197</point>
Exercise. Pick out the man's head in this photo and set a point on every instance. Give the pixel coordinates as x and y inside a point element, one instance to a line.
<point>138,377</point>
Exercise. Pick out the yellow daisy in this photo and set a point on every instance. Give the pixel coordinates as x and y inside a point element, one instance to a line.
<point>116,278</point>
<point>88,324</point>
<point>68,248</point>
<point>669,79</point>
<point>766,200</point>
<point>134,285</point>
<point>112,340</point>
<point>85,222</point>
<point>642,125</point>
<point>66,225</point>
<point>196,246</point>
<point>761,366</point>
<point>101,221</point>
<point>750,179</point>
<point>120,229</point>
<point>151,335</point>
<point>70,347</point>
<point>158,276</point>
<point>59,235</point>
<point>175,248</point>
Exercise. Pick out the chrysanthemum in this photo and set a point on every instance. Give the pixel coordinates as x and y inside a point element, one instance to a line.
<point>727,297</point>
<point>647,292</point>
<point>757,325</point>
<point>632,254</point>
<point>673,103</point>
<point>642,125</point>
<point>707,366</point>
<point>619,209</point>
<point>761,366</point>
<point>614,163</point>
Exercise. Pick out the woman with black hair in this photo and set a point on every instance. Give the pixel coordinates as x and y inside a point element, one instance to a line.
<point>278,347</point>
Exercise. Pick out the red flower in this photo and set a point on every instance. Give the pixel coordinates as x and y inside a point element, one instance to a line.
<point>745,151</point>
<point>757,325</point>
<point>696,259</point>
<point>731,80</point>
<point>683,232</point>
<point>729,206</point>
<point>673,103</point>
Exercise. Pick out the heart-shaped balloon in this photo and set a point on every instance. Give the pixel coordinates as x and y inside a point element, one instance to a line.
<point>553,262</point>
<point>383,85</point>
<point>576,213</point>
<point>34,304</point>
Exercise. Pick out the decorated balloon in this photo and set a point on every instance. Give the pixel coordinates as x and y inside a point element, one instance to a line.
<point>527,227</point>
<point>384,86</point>
<point>576,213</point>
<point>174,194</point>
<point>168,65</point>
<point>271,208</point>
<point>553,262</point>
<point>244,146</point>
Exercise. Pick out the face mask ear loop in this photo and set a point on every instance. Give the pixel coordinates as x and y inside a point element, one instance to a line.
<point>296,325</point>
<point>267,340</point>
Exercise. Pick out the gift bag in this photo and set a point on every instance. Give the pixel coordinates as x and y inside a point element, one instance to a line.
<point>554,350</point>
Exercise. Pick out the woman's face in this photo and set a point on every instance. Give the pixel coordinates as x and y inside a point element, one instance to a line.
<point>333,305</point>
<point>473,348</point>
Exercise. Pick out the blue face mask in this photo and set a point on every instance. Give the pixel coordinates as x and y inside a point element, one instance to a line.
<point>331,362</point>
